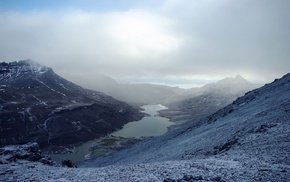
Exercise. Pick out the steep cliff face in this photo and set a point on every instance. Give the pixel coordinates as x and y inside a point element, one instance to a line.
<point>38,105</point>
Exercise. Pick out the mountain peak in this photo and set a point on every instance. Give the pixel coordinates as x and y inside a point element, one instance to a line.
<point>233,80</point>
<point>21,69</point>
<point>30,62</point>
<point>230,85</point>
<point>238,76</point>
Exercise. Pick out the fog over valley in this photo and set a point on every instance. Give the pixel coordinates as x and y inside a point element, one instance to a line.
<point>147,90</point>
<point>175,43</point>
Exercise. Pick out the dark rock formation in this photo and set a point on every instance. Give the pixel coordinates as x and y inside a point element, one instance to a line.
<point>29,151</point>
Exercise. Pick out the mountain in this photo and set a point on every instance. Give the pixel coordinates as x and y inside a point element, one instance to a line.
<point>249,137</point>
<point>136,94</point>
<point>142,94</point>
<point>38,105</point>
<point>197,103</point>
<point>247,140</point>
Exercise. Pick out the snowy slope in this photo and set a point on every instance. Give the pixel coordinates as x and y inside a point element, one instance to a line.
<point>255,127</point>
<point>197,103</point>
<point>16,164</point>
<point>259,115</point>
<point>248,140</point>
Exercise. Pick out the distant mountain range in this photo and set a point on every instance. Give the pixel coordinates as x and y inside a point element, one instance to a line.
<point>184,104</point>
<point>247,140</point>
<point>146,93</point>
<point>38,105</point>
<point>136,94</point>
<point>197,103</point>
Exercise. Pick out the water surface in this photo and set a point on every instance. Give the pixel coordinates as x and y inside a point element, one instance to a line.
<point>148,126</point>
<point>153,125</point>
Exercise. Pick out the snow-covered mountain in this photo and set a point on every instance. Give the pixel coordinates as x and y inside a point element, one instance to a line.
<point>184,104</point>
<point>136,94</point>
<point>142,94</point>
<point>38,105</point>
<point>249,140</point>
<point>197,103</point>
<point>249,136</point>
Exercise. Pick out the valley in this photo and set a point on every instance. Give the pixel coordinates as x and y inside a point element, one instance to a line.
<point>151,125</point>
<point>225,131</point>
<point>38,105</point>
<point>248,140</point>
<point>144,91</point>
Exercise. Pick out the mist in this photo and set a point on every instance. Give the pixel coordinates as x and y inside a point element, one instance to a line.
<point>176,43</point>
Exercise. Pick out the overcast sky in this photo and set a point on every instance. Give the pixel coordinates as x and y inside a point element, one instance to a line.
<point>172,42</point>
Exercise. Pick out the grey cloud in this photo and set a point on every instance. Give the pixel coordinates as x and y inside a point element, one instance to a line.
<point>248,36</point>
<point>203,37</point>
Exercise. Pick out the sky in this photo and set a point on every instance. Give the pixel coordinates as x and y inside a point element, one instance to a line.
<point>174,42</point>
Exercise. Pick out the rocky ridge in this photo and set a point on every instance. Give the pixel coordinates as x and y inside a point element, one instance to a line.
<point>29,152</point>
<point>247,140</point>
<point>38,105</point>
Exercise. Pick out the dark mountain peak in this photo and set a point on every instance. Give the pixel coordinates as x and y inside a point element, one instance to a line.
<point>38,105</point>
<point>29,62</point>
<point>21,69</point>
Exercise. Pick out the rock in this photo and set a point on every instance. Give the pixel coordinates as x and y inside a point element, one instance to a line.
<point>187,177</point>
<point>216,178</point>
<point>7,172</point>
<point>29,151</point>
<point>168,180</point>
<point>197,177</point>
<point>67,163</point>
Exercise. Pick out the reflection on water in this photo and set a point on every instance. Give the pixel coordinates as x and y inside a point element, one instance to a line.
<point>80,153</point>
<point>152,125</point>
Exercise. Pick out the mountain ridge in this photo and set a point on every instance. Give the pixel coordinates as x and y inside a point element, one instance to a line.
<point>248,129</point>
<point>197,103</point>
<point>17,69</point>
<point>247,140</point>
<point>51,110</point>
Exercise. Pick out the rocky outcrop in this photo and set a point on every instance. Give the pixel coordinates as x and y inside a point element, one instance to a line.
<point>29,151</point>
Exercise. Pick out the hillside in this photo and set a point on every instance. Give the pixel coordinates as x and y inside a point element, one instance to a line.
<point>248,140</point>
<point>197,103</point>
<point>142,94</point>
<point>137,94</point>
<point>252,131</point>
<point>184,104</point>
<point>38,105</point>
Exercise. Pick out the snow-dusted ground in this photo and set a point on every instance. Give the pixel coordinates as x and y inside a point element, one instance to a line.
<point>206,169</point>
<point>254,131</point>
<point>248,140</point>
<point>210,169</point>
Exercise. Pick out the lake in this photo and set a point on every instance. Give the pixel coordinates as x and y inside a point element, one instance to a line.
<point>152,125</point>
